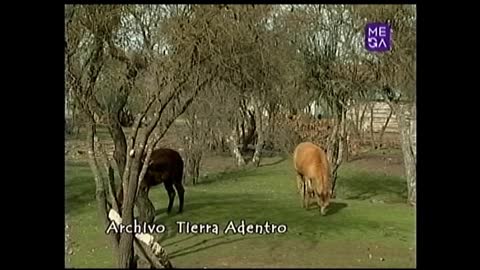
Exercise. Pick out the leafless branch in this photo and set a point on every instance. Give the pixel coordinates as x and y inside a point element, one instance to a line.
<point>174,93</point>
<point>155,254</point>
<point>99,182</point>
<point>110,167</point>
<point>146,164</point>
<point>117,53</point>
<point>146,37</point>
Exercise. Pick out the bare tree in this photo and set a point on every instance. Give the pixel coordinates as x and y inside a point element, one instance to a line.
<point>251,54</point>
<point>199,124</point>
<point>99,54</point>
<point>335,71</point>
<point>396,75</point>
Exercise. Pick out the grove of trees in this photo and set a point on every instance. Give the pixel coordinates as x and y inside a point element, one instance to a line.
<point>231,71</point>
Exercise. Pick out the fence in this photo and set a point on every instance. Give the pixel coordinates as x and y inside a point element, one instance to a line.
<point>381,112</point>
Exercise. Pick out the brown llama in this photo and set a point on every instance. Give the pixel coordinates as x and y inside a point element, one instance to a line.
<point>313,174</point>
<point>165,166</point>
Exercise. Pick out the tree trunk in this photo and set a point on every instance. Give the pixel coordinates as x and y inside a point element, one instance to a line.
<point>347,146</point>
<point>126,256</point>
<point>362,119</point>
<point>372,133</point>
<point>146,210</point>
<point>68,248</point>
<point>233,140</point>
<point>243,136</point>
<point>99,185</point>
<point>407,125</point>
<point>251,130</point>
<point>382,132</point>
<point>260,133</point>
<point>146,246</point>
<point>336,147</point>
<point>357,125</point>
<point>193,153</point>
<point>192,166</point>
<point>120,143</point>
<point>196,167</point>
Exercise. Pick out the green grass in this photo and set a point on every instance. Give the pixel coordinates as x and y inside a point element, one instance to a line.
<point>354,227</point>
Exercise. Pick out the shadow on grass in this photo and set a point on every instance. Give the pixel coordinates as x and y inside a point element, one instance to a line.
<point>179,241</point>
<point>365,185</point>
<point>171,233</point>
<point>192,248</point>
<point>75,202</point>
<point>79,186</point>
<point>333,208</point>
<point>257,209</point>
<point>282,159</point>
<point>212,201</point>
<point>231,175</point>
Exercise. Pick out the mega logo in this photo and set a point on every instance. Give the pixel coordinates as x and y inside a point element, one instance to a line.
<point>377,37</point>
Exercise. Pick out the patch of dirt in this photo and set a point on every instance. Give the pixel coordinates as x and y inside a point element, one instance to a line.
<point>293,254</point>
<point>382,161</point>
<point>76,148</point>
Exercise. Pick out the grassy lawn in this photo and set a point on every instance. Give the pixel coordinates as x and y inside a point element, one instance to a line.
<point>368,225</point>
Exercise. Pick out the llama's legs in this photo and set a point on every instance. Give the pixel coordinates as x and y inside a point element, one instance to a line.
<point>325,203</point>
<point>299,183</point>
<point>306,194</point>
<point>320,202</point>
<point>181,192</point>
<point>171,196</point>
<point>301,189</point>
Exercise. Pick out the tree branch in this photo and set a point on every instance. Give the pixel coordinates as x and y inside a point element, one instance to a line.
<point>99,183</point>
<point>117,53</point>
<point>110,167</point>
<point>142,240</point>
<point>157,116</point>
<point>146,38</point>
<point>131,146</point>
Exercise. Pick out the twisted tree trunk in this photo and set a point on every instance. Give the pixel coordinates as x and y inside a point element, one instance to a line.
<point>336,147</point>
<point>193,149</point>
<point>192,165</point>
<point>251,131</point>
<point>384,127</point>
<point>146,210</point>
<point>372,133</point>
<point>260,124</point>
<point>99,185</point>
<point>150,250</point>
<point>406,115</point>
<point>234,143</point>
